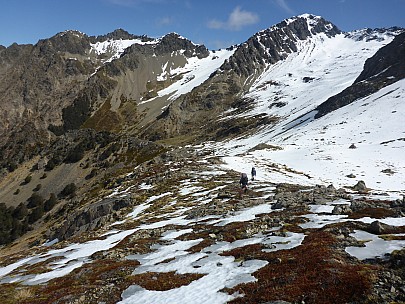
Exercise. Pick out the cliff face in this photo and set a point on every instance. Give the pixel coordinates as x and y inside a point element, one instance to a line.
<point>37,81</point>
<point>275,43</point>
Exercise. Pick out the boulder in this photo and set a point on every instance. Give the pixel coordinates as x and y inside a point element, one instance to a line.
<point>360,186</point>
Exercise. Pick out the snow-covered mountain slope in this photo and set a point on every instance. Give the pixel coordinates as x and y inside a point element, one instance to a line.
<point>292,89</point>
<point>112,49</point>
<point>194,72</point>
<point>322,67</point>
<point>321,148</point>
<point>193,241</point>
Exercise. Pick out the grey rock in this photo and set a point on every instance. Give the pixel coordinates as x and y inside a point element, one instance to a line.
<point>378,228</point>
<point>341,209</point>
<point>92,217</point>
<point>360,186</point>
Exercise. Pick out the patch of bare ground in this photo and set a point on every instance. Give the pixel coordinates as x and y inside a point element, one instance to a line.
<point>38,268</point>
<point>14,293</point>
<point>162,281</point>
<point>377,213</point>
<point>136,244</point>
<point>314,272</point>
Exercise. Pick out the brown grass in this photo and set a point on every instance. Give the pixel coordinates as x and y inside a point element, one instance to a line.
<point>164,281</point>
<point>96,277</point>
<point>373,213</point>
<point>200,246</point>
<point>311,273</point>
<point>136,245</point>
<point>14,293</point>
<point>391,237</point>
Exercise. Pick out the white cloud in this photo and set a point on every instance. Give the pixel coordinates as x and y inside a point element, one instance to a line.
<point>236,20</point>
<point>283,4</point>
<point>215,24</point>
<point>164,21</point>
<point>130,3</point>
<point>221,44</point>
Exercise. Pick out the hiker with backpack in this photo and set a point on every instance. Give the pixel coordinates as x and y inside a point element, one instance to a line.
<point>243,182</point>
<point>253,173</point>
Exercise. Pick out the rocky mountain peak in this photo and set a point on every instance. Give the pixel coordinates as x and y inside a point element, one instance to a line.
<point>71,41</point>
<point>117,35</point>
<point>305,25</point>
<point>76,33</point>
<point>174,42</point>
<point>275,43</point>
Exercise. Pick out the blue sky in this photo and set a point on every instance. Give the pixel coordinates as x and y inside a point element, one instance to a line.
<point>216,24</point>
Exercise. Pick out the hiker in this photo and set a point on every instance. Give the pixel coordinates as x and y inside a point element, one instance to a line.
<point>243,182</point>
<point>253,173</point>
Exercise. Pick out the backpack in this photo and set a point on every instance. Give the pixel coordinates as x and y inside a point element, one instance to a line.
<point>244,179</point>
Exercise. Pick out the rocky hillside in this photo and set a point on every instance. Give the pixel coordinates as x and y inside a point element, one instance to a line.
<point>121,159</point>
<point>180,231</point>
<point>72,81</point>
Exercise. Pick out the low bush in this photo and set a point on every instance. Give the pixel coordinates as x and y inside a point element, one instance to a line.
<point>68,191</point>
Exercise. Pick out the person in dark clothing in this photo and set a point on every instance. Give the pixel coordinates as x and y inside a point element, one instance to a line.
<point>243,182</point>
<point>253,173</point>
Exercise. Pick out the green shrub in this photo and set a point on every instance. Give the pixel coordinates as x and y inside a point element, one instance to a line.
<point>50,202</point>
<point>36,214</point>
<point>20,212</point>
<point>75,155</point>
<point>68,191</point>
<point>12,166</point>
<point>34,168</point>
<point>34,201</point>
<point>27,179</point>
<point>6,226</point>
<point>50,165</point>
<point>91,174</point>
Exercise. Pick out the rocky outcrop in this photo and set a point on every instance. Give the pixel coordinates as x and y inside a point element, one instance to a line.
<point>92,217</point>
<point>274,44</point>
<point>174,42</point>
<point>290,196</point>
<point>73,42</point>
